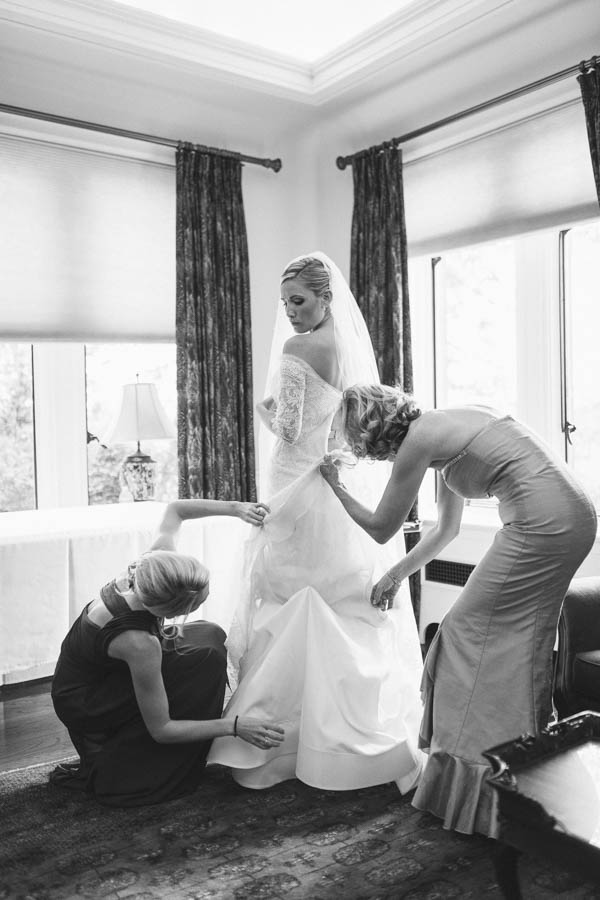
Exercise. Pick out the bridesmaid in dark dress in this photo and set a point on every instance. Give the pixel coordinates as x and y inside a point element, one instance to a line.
<point>143,700</point>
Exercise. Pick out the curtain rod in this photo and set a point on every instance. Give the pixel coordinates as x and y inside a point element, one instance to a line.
<point>343,161</point>
<point>274,164</point>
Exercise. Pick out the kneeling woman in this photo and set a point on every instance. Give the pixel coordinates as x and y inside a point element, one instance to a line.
<point>488,673</point>
<point>142,701</point>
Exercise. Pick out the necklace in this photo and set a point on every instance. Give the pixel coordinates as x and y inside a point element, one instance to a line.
<point>325,318</point>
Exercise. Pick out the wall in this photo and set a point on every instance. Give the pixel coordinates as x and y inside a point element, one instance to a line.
<point>309,203</point>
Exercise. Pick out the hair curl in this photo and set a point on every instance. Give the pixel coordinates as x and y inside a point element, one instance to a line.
<point>170,583</point>
<point>376,419</point>
<point>311,271</point>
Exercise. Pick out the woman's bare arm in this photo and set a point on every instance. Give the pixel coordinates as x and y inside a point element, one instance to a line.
<point>179,510</point>
<point>400,493</point>
<point>142,653</point>
<point>450,509</point>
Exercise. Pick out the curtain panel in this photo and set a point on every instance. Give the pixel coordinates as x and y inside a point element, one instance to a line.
<point>214,352</point>
<point>379,261</point>
<point>379,281</point>
<point>589,82</point>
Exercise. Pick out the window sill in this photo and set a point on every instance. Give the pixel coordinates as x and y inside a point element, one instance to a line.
<point>68,521</point>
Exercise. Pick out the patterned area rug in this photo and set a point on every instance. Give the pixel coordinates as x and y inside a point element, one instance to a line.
<point>227,843</point>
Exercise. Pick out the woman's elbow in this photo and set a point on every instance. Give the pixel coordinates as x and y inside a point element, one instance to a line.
<point>382,533</point>
<point>447,533</point>
<point>290,437</point>
<point>161,733</point>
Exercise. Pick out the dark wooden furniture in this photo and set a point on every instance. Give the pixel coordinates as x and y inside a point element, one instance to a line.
<point>549,799</point>
<point>577,668</point>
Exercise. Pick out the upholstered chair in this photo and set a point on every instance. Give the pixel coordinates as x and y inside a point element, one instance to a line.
<point>577,665</point>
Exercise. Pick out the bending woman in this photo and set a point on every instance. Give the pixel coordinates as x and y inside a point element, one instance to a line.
<point>488,673</point>
<point>309,649</point>
<point>142,701</point>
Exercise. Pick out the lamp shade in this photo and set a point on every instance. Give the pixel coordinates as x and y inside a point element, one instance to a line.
<point>141,416</point>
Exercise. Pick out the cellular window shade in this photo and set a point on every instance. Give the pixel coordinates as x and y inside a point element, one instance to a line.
<point>529,175</point>
<point>87,244</point>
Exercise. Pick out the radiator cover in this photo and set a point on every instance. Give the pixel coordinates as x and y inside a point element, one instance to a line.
<point>446,571</point>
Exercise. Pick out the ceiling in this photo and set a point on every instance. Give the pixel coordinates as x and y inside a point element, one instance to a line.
<point>369,42</point>
<point>363,69</point>
<point>305,33</point>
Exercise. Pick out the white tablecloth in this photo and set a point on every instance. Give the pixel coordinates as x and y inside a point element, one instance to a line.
<point>53,562</point>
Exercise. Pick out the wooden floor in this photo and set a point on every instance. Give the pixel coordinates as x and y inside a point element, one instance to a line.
<point>30,732</point>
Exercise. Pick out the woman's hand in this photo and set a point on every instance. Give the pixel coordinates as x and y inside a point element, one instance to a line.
<point>253,513</point>
<point>258,732</point>
<point>383,593</point>
<point>330,470</point>
<point>266,411</point>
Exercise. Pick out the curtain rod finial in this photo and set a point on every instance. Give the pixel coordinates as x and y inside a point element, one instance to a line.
<point>276,165</point>
<point>342,162</point>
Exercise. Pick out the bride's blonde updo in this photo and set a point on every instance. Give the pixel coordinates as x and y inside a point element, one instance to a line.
<point>311,272</point>
<point>376,419</point>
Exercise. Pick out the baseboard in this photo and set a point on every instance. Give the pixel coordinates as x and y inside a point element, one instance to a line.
<point>33,673</point>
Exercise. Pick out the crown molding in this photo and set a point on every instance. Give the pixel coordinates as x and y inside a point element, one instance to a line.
<point>119,28</point>
<point>123,29</point>
<point>414,29</point>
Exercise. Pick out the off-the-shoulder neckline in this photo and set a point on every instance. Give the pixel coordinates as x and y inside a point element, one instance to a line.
<point>307,365</point>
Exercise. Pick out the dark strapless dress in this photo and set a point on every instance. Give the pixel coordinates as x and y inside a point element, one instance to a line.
<point>488,673</point>
<point>120,763</point>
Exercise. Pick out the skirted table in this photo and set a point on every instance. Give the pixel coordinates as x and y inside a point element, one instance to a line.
<point>52,562</point>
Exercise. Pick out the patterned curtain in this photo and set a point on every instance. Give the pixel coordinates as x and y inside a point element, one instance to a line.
<point>589,82</point>
<point>379,262</point>
<point>379,281</point>
<point>214,355</point>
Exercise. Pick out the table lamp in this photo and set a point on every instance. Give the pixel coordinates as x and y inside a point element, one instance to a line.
<point>141,417</point>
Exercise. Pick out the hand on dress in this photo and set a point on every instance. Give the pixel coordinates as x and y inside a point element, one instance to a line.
<point>262,734</point>
<point>383,593</point>
<point>330,470</point>
<point>253,513</point>
<point>266,411</point>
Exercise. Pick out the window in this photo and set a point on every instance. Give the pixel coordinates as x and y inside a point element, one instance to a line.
<point>475,322</point>
<point>17,486</point>
<point>108,368</point>
<point>100,212</point>
<point>489,328</point>
<point>581,264</point>
<point>56,401</point>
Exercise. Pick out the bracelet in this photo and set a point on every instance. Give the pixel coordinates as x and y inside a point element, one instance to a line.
<point>394,580</point>
<point>235,721</point>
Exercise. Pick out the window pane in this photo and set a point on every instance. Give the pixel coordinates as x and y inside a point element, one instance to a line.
<point>476,337</point>
<point>17,486</point>
<point>582,280</point>
<point>108,368</point>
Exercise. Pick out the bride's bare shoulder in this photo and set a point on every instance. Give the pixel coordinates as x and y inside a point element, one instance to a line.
<point>319,354</point>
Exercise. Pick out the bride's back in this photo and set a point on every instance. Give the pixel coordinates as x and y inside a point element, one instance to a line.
<point>317,348</point>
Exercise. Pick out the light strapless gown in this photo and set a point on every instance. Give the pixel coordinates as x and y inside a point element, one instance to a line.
<point>309,650</point>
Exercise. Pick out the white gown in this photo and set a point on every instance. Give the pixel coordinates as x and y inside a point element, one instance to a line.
<point>341,677</point>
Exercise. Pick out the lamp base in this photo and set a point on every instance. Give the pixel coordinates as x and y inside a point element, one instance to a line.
<point>138,472</point>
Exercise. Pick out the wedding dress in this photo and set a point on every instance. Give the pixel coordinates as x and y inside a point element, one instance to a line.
<point>308,649</point>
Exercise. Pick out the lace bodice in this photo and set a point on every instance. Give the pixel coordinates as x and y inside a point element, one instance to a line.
<point>305,406</point>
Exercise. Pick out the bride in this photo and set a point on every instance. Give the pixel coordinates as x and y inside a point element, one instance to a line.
<point>306,646</point>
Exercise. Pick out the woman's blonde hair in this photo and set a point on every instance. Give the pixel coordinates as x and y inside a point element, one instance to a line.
<point>171,583</point>
<point>376,419</point>
<point>311,272</point>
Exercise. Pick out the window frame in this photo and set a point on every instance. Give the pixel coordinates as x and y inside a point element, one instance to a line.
<point>60,427</point>
<point>542,364</point>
